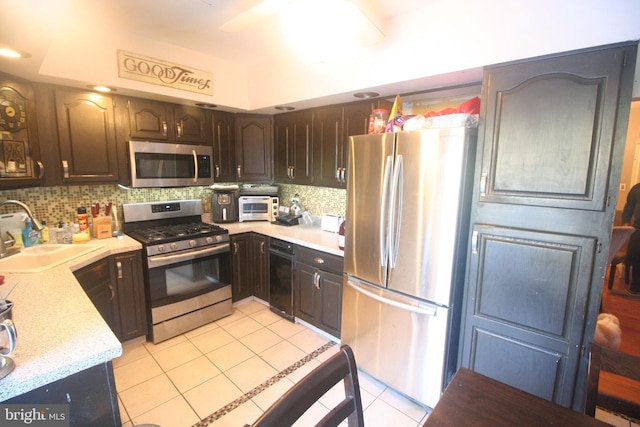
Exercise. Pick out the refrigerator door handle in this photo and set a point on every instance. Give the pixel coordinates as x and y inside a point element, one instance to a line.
<point>384,244</point>
<point>395,215</point>
<point>418,309</point>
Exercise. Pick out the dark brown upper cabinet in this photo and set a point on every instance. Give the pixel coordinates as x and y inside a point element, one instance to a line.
<point>161,121</point>
<point>224,146</point>
<point>254,147</point>
<point>293,156</point>
<point>86,137</point>
<point>20,160</point>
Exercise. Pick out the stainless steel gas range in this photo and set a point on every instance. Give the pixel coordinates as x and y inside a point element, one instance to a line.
<point>187,265</point>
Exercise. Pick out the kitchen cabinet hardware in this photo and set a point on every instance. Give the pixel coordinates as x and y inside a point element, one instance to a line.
<point>65,169</point>
<point>483,184</point>
<point>40,169</point>
<point>239,169</point>
<point>474,242</point>
<point>250,266</point>
<point>179,130</point>
<point>165,128</point>
<point>115,286</point>
<point>318,285</point>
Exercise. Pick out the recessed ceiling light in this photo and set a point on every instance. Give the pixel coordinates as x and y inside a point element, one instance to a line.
<point>100,88</point>
<point>13,53</point>
<point>203,105</point>
<point>366,95</point>
<point>284,108</point>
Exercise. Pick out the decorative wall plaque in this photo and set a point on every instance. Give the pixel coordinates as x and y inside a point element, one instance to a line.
<point>141,68</point>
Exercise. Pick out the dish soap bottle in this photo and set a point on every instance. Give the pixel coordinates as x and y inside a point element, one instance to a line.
<point>29,235</point>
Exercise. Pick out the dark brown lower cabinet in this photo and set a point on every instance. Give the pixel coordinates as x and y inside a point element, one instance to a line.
<point>90,394</point>
<point>250,258</point>
<point>317,293</point>
<point>116,287</point>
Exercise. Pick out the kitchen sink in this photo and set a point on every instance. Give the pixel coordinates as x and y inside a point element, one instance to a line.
<point>39,258</point>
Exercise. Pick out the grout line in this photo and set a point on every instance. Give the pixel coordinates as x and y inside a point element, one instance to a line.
<point>262,387</point>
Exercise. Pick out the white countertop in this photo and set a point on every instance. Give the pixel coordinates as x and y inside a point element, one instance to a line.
<point>59,330</point>
<point>311,237</point>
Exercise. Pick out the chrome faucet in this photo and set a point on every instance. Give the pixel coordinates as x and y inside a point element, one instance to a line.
<point>6,245</point>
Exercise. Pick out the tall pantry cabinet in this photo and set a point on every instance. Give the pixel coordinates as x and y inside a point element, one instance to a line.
<point>548,168</point>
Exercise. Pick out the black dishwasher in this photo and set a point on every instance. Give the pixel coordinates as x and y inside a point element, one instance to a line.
<point>281,257</point>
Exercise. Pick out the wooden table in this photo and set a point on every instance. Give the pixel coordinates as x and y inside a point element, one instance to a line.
<point>474,399</point>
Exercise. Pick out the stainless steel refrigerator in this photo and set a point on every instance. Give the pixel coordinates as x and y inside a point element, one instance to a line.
<point>408,200</point>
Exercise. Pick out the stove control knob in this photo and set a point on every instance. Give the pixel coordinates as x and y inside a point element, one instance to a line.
<point>192,243</point>
<point>209,240</point>
<point>161,248</point>
<point>174,246</point>
<point>219,238</point>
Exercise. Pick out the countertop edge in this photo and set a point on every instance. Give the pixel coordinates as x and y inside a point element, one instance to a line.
<point>42,342</point>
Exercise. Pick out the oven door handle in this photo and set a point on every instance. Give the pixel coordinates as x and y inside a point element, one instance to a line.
<point>162,260</point>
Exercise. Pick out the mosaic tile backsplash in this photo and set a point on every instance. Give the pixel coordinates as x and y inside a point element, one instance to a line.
<point>54,204</point>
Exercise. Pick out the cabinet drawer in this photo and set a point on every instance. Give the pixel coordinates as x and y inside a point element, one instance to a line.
<point>319,259</point>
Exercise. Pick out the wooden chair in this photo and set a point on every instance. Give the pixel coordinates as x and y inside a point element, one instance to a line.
<point>619,236</point>
<point>626,365</point>
<point>295,402</point>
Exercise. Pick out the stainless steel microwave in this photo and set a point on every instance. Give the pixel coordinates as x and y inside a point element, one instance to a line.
<point>258,208</point>
<point>159,164</point>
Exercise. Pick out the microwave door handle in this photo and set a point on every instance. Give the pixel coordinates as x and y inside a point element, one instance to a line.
<point>195,166</point>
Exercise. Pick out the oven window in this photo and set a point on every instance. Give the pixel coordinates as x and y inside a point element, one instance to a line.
<point>188,279</point>
<point>255,208</point>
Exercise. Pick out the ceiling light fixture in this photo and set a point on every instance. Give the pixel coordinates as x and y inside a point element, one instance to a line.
<point>204,105</point>
<point>100,88</point>
<point>350,28</point>
<point>366,95</point>
<point>13,53</point>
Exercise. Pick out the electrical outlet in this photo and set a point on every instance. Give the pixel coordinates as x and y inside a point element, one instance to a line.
<point>623,187</point>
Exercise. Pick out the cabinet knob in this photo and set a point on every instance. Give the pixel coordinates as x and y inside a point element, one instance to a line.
<point>119,268</point>
<point>318,260</point>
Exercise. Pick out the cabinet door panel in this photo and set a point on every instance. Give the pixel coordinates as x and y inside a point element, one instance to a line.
<point>306,294</point>
<point>551,138</point>
<point>131,295</point>
<point>241,259</point>
<point>331,308</point>
<point>150,120</point>
<point>260,265</point>
<point>254,147</point>
<point>86,136</point>
<point>224,155</point>
<point>328,147</point>
<point>549,160</point>
<point>191,124</point>
<point>526,298</point>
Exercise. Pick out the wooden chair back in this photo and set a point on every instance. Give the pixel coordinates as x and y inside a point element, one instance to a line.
<point>296,401</point>
<point>625,365</point>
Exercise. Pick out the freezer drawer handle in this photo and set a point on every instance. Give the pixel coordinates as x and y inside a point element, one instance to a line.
<point>429,311</point>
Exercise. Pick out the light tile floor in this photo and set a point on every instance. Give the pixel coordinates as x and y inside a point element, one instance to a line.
<point>206,371</point>
<point>186,379</point>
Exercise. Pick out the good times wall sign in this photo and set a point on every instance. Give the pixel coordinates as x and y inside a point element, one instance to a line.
<point>155,71</point>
